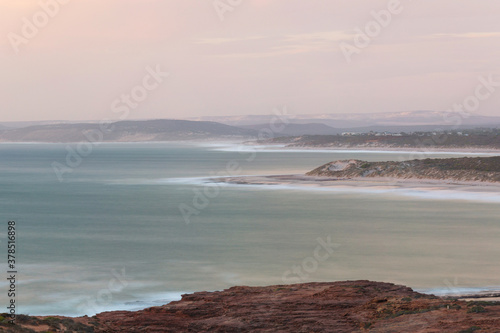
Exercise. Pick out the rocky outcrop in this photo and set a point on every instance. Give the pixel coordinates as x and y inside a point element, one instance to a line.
<point>484,169</point>
<point>349,306</point>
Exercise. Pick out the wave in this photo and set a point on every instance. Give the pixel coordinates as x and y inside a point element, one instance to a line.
<point>200,181</point>
<point>62,306</point>
<point>423,192</point>
<point>459,291</point>
<point>283,149</point>
<point>185,181</point>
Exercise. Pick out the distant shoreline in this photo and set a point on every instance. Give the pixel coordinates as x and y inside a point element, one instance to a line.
<point>418,153</point>
<point>255,144</point>
<point>407,149</point>
<point>464,149</point>
<point>332,181</point>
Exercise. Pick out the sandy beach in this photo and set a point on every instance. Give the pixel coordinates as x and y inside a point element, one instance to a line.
<point>421,188</point>
<point>379,183</point>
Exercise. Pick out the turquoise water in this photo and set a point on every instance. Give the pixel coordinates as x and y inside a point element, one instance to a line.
<point>111,235</point>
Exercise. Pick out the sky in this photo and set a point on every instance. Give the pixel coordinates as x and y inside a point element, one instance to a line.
<point>143,59</point>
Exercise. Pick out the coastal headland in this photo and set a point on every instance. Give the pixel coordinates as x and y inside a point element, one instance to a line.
<point>347,306</point>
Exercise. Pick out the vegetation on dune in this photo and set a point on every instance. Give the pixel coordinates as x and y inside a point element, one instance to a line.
<point>486,169</point>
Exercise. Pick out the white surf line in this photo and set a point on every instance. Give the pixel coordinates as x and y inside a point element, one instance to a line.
<point>461,292</point>
<point>282,149</point>
<point>421,192</point>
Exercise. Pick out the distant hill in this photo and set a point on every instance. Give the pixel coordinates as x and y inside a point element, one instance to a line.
<point>246,126</point>
<point>386,121</point>
<point>21,124</point>
<point>484,169</point>
<point>298,129</point>
<point>128,131</point>
<point>294,125</point>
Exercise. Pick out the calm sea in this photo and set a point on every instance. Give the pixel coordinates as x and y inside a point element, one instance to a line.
<point>111,235</point>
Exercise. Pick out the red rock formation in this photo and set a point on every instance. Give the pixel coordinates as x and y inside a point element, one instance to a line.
<point>350,306</point>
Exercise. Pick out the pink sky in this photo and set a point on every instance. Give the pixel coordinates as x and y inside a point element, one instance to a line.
<point>264,54</point>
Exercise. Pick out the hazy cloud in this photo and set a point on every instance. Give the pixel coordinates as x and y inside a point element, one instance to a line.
<point>469,35</point>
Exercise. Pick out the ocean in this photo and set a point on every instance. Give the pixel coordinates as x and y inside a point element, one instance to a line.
<point>132,225</point>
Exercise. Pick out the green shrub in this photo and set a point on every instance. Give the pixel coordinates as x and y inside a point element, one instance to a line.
<point>483,303</point>
<point>470,329</point>
<point>476,309</point>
